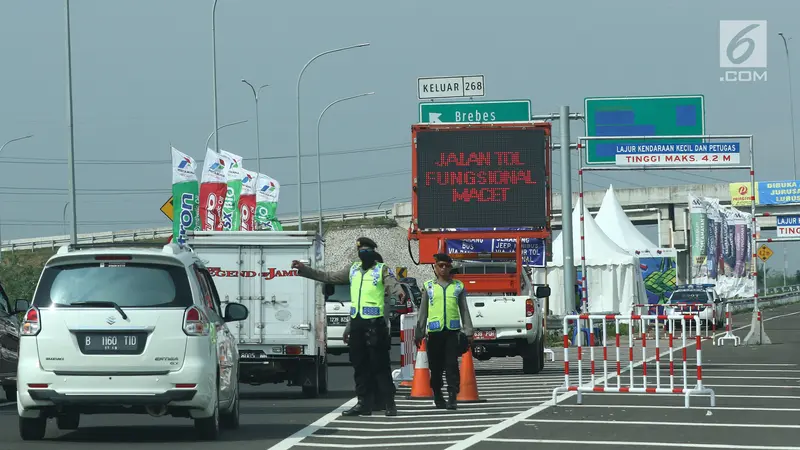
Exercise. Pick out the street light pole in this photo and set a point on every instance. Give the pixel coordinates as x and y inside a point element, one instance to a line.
<point>1,151</point>
<point>214,133</point>
<point>319,160</point>
<point>299,157</point>
<point>64,218</point>
<point>258,135</point>
<point>791,101</point>
<point>70,124</point>
<point>214,71</point>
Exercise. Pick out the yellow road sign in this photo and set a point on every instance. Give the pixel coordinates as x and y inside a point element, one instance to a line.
<point>402,272</point>
<point>765,252</point>
<point>166,208</point>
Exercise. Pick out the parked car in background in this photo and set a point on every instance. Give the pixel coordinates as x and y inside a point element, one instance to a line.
<point>9,346</point>
<point>337,316</point>
<point>697,299</point>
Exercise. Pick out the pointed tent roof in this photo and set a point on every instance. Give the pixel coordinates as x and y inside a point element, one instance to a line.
<point>600,249</point>
<point>616,225</point>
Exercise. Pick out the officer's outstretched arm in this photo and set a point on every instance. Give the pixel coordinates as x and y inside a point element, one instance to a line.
<point>335,277</point>
<point>463,308</point>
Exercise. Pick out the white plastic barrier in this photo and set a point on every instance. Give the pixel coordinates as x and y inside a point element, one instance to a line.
<point>674,383</point>
<point>408,350</point>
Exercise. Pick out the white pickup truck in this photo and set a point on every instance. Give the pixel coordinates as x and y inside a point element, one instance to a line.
<point>283,338</point>
<point>507,312</point>
<point>337,311</point>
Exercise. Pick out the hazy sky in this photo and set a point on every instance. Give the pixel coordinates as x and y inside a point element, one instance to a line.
<point>142,80</point>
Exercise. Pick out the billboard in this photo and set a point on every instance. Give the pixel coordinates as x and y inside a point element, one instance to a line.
<point>474,177</point>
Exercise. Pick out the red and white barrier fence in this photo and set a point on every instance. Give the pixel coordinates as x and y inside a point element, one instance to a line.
<point>675,384</point>
<point>729,336</point>
<point>408,350</point>
<point>706,312</point>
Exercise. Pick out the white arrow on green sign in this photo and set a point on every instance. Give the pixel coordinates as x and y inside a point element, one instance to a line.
<point>475,112</point>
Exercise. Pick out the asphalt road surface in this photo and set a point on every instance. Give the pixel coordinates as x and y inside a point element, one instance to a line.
<point>757,393</point>
<point>269,414</point>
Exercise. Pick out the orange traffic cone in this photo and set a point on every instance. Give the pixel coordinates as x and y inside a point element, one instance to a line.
<point>421,385</point>
<point>468,393</point>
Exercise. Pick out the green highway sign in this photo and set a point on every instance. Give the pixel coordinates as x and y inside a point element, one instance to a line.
<point>679,115</point>
<point>475,112</point>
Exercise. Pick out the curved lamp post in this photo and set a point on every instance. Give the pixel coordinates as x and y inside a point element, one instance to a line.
<point>319,160</point>
<point>299,157</point>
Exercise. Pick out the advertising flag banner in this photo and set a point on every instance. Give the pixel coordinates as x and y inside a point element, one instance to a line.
<point>213,186</point>
<point>721,247</point>
<point>247,201</point>
<point>267,193</point>
<point>230,207</point>
<point>185,192</point>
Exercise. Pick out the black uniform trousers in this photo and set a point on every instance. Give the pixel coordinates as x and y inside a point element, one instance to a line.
<point>370,345</point>
<point>443,353</point>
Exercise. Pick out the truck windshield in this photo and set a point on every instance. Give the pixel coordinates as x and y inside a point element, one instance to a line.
<point>341,294</point>
<point>689,297</point>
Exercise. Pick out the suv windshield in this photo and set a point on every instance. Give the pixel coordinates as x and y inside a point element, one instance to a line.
<point>689,297</point>
<point>129,285</point>
<point>341,294</point>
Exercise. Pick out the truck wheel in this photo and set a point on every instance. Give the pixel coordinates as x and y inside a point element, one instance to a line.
<point>322,381</point>
<point>541,353</point>
<point>532,361</point>
<point>312,390</point>
<point>11,393</point>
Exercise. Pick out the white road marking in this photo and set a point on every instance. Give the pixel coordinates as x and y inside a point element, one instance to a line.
<point>675,424</point>
<point>372,445</point>
<point>389,430</point>
<point>640,444</point>
<point>367,438</point>
<point>310,429</point>
<point>404,422</point>
<point>724,408</point>
<point>494,429</point>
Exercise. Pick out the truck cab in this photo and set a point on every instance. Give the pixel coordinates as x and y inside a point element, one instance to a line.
<point>506,310</point>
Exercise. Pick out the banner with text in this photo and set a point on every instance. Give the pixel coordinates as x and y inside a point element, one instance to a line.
<point>788,226</point>
<point>669,154</point>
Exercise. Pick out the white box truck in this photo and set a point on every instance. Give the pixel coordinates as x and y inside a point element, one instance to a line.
<point>283,339</point>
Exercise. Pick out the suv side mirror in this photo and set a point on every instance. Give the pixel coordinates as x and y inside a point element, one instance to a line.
<point>21,306</point>
<point>542,291</point>
<point>328,290</point>
<point>235,312</point>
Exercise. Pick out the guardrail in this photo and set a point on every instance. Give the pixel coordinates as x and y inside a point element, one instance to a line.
<point>736,305</point>
<point>53,242</point>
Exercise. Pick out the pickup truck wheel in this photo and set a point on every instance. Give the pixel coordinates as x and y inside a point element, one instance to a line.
<point>533,360</point>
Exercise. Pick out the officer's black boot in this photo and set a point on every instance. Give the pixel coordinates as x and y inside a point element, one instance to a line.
<point>391,407</point>
<point>361,409</point>
<point>438,399</point>
<point>451,400</point>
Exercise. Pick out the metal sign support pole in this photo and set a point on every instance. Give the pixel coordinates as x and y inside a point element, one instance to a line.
<point>757,325</point>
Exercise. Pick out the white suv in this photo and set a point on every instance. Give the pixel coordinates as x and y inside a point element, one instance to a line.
<point>119,328</point>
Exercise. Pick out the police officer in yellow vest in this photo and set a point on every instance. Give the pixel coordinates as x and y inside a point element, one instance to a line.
<point>444,315</point>
<point>368,332</point>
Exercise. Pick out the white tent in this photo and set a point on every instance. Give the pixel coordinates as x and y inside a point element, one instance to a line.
<point>614,279</point>
<point>616,225</point>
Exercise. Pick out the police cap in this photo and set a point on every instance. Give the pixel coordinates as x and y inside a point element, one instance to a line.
<point>366,242</point>
<point>443,257</point>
